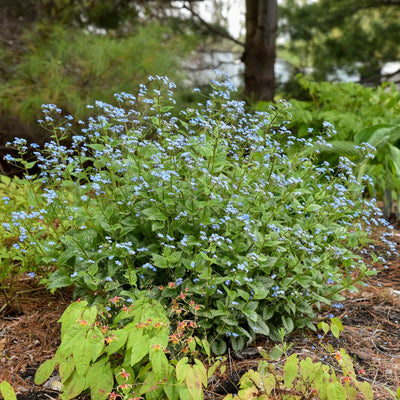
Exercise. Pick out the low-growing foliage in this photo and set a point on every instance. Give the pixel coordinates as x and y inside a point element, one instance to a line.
<point>303,378</point>
<point>122,351</point>
<point>218,203</point>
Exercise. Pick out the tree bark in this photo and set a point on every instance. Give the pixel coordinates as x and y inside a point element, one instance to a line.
<point>260,49</point>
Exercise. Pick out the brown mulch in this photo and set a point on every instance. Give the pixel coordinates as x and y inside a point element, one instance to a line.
<point>29,334</point>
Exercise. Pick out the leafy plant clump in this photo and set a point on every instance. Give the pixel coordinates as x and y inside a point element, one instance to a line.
<point>122,351</point>
<point>362,116</point>
<point>213,201</point>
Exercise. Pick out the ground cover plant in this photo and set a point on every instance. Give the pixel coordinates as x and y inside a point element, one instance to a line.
<point>220,216</point>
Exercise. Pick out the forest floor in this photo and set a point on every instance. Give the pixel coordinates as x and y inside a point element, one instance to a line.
<point>29,334</point>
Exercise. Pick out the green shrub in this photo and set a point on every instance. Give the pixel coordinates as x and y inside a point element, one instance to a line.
<point>360,115</point>
<point>214,203</point>
<point>73,67</point>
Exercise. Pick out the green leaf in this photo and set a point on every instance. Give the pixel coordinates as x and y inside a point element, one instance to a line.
<point>74,387</point>
<point>366,389</point>
<point>288,323</point>
<point>238,343</point>
<point>82,354</point>
<point>44,371</point>
<point>218,347</point>
<point>182,367</point>
<point>341,147</point>
<point>335,391</point>
<point>100,380</point>
<point>269,383</point>
<point>290,370</point>
<point>201,371</point>
<point>154,214</point>
<point>336,327</point>
<point>395,157</point>
<point>159,261</point>
<point>159,362</point>
<point>193,381</point>
<point>7,391</point>
<point>324,326</point>
<point>206,347</point>
<point>65,368</point>
<point>120,337</point>
<point>139,346</point>
<point>58,280</point>
<point>378,135</point>
<point>276,353</point>
<point>259,327</point>
<point>351,392</point>
<point>268,313</point>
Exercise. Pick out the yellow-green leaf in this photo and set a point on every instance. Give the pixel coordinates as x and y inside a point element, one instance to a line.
<point>74,387</point>
<point>181,369</point>
<point>366,389</point>
<point>7,391</point>
<point>44,371</point>
<point>290,370</point>
<point>269,383</point>
<point>335,391</point>
<point>119,340</point>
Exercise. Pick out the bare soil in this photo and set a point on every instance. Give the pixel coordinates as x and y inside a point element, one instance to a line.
<point>29,335</point>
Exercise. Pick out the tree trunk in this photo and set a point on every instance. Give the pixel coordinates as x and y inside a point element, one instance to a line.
<point>260,52</point>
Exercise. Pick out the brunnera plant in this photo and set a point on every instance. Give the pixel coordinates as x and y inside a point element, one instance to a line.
<point>212,200</point>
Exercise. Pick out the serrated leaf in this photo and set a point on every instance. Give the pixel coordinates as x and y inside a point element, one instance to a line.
<point>290,370</point>
<point>335,391</point>
<point>351,392</point>
<point>201,371</point>
<point>44,371</point>
<point>194,384</point>
<point>324,326</point>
